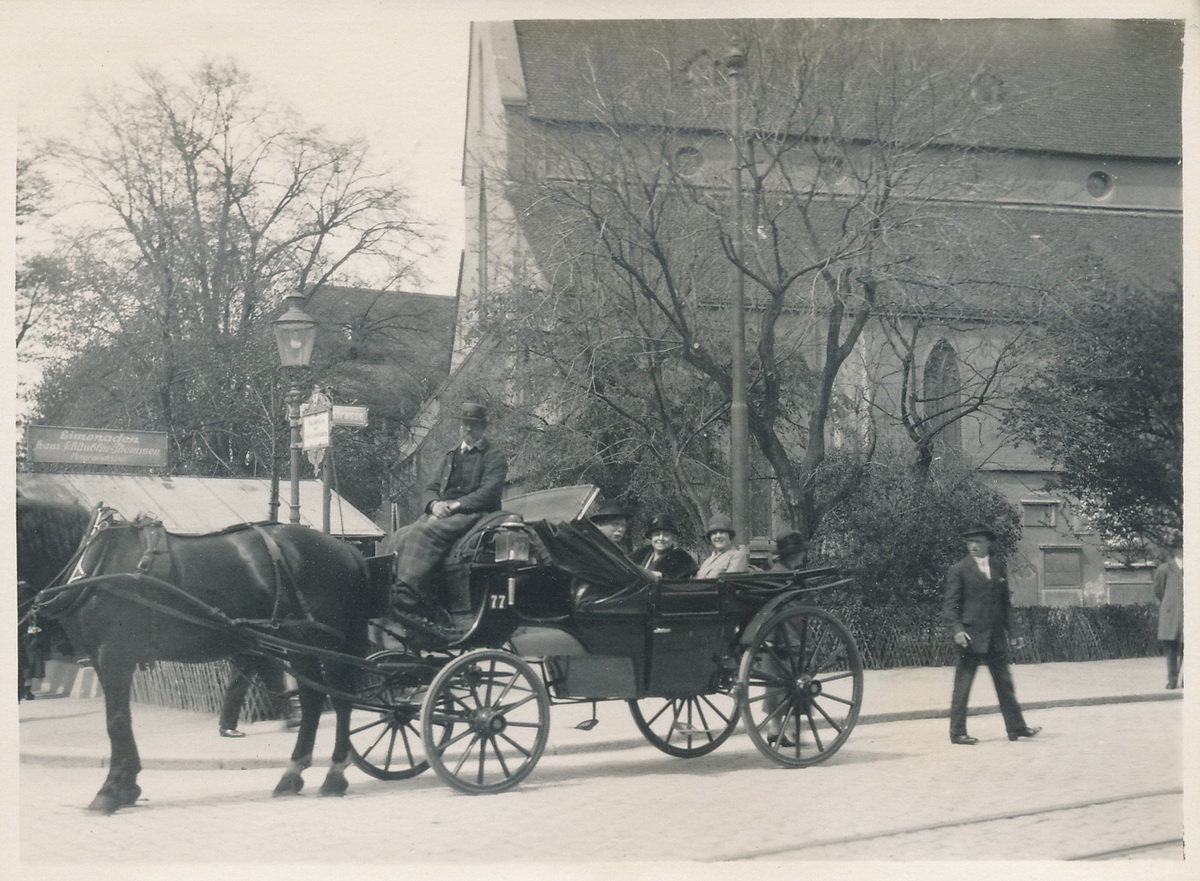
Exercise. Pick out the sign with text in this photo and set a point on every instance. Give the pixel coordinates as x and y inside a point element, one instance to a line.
<point>95,446</point>
<point>315,429</point>
<point>343,415</point>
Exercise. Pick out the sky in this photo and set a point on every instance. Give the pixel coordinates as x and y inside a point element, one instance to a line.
<point>359,69</point>
<point>391,71</point>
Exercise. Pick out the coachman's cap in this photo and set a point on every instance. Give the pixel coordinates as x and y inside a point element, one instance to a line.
<point>608,511</point>
<point>978,529</point>
<point>789,543</point>
<point>473,412</point>
<point>661,523</point>
<point>720,523</point>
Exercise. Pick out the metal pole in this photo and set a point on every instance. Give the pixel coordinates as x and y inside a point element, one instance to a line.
<point>326,487</point>
<point>739,428</point>
<point>293,405</point>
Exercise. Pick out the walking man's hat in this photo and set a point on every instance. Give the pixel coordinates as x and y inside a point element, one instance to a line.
<point>978,529</point>
<point>473,412</point>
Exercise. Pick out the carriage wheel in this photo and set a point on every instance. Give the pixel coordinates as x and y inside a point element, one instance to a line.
<point>485,721</point>
<point>800,686</point>
<point>686,726</point>
<point>386,743</point>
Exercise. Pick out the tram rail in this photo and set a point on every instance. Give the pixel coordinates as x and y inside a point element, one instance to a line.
<point>979,820</point>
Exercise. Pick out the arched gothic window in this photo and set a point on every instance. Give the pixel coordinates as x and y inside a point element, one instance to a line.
<point>942,397</point>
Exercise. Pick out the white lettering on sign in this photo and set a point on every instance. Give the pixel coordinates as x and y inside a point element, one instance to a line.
<point>344,415</point>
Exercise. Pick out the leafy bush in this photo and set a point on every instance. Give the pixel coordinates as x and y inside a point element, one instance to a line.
<point>898,534</point>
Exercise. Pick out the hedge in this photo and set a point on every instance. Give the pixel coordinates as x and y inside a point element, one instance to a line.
<point>895,636</point>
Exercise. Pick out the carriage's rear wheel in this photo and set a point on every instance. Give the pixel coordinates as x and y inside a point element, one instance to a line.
<point>686,726</point>
<point>385,731</point>
<point>485,721</point>
<point>800,686</point>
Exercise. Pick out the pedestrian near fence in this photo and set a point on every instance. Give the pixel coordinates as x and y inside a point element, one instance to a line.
<point>1168,590</point>
<point>976,607</point>
<point>270,673</point>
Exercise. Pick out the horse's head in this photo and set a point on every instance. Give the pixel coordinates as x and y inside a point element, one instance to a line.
<point>48,536</point>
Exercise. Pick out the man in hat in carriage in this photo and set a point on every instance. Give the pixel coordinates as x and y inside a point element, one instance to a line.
<point>976,607</point>
<point>613,520</point>
<point>791,552</point>
<point>469,485</point>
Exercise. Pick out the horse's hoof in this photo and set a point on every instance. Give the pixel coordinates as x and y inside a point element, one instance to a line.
<point>130,795</point>
<point>104,804</point>
<point>289,784</point>
<point>334,785</point>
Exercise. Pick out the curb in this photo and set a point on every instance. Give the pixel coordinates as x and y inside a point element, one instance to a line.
<point>60,760</point>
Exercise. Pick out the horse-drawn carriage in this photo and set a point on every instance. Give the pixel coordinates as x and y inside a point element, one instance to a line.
<point>559,615</point>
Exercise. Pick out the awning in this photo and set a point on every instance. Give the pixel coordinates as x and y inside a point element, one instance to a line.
<point>197,504</point>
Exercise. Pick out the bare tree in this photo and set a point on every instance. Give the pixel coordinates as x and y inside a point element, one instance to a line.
<point>204,203</point>
<point>852,141</point>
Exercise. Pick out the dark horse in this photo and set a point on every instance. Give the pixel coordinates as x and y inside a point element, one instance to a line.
<point>136,594</point>
<point>48,533</point>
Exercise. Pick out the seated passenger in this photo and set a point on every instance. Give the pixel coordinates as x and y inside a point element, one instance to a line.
<point>791,553</point>
<point>725,556</point>
<point>470,484</point>
<point>611,519</point>
<point>662,555</point>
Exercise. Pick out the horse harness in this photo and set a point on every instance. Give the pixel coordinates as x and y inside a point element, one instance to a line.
<point>156,567</point>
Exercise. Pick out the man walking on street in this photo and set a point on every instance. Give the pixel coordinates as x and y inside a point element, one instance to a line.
<point>1168,590</point>
<point>976,607</point>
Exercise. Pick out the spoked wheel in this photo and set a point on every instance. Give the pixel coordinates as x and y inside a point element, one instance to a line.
<point>386,743</point>
<point>686,726</point>
<point>485,721</point>
<point>800,686</point>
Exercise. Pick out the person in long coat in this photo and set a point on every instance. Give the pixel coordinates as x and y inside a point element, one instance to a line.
<point>976,608</point>
<point>469,484</point>
<point>662,554</point>
<point>1168,590</point>
<point>725,556</point>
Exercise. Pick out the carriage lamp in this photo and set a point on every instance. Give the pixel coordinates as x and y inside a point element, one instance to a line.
<point>295,333</point>
<point>512,544</point>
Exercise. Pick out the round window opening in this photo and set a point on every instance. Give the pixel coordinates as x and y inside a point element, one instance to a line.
<point>688,160</point>
<point>1099,184</point>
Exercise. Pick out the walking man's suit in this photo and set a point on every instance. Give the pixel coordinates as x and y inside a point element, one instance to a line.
<point>976,607</point>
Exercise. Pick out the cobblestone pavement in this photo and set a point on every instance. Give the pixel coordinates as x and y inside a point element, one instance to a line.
<point>1062,795</point>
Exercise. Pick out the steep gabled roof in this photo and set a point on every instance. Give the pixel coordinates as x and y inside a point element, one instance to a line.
<point>1076,86</point>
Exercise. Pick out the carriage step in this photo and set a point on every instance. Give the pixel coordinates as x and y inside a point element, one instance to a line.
<point>689,731</point>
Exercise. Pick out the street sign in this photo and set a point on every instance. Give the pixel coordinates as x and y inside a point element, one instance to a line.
<point>343,415</point>
<point>95,446</point>
<point>314,429</point>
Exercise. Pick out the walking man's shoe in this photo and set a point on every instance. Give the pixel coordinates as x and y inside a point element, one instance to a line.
<point>1023,732</point>
<point>964,739</point>
<point>232,732</point>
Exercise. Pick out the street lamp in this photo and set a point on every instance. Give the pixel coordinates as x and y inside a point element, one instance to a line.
<point>295,333</point>
<point>739,423</point>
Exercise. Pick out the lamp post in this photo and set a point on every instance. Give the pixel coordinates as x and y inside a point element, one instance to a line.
<point>295,333</point>
<point>739,428</point>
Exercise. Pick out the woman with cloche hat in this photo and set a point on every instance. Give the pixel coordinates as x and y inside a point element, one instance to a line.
<point>662,554</point>
<point>725,557</point>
